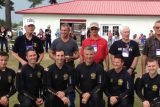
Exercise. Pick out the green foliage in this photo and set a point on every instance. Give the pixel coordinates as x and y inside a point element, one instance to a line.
<point>35,2</point>
<point>52,1</point>
<point>2,22</point>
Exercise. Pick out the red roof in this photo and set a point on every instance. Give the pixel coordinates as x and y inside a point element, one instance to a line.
<point>100,7</point>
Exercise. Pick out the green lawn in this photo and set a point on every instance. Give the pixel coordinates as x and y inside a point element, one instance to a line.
<point>47,61</point>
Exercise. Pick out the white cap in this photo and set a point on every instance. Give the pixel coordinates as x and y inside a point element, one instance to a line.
<point>94,24</point>
<point>29,21</point>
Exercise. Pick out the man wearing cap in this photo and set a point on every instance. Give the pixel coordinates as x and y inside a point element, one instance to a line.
<point>27,41</point>
<point>48,37</point>
<point>98,43</point>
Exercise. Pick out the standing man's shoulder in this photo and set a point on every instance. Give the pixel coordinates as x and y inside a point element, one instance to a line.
<point>10,70</point>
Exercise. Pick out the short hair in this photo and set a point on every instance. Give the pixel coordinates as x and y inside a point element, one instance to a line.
<point>2,53</point>
<point>124,27</point>
<point>30,49</point>
<point>89,48</point>
<point>119,56</point>
<point>58,50</point>
<point>152,60</point>
<point>158,21</point>
<point>65,25</point>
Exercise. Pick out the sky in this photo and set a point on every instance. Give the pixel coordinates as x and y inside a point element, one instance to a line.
<point>20,5</point>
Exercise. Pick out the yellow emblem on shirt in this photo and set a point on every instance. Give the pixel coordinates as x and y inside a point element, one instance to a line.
<point>65,76</point>
<point>120,82</point>
<point>93,76</point>
<point>9,79</point>
<point>154,88</point>
<point>39,74</point>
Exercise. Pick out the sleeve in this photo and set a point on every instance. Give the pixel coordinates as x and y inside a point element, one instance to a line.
<point>113,49</point>
<point>40,46</point>
<point>100,80</point>
<point>16,45</point>
<point>145,49</point>
<point>12,88</point>
<point>107,85</point>
<point>128,87</point>
<point>137,52</point>
<point>21,84</point>
<point>53,45</point>
<point>139,87</point>
<point>70,83</point>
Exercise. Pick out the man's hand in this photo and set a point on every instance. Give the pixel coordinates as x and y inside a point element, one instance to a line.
<point>130,71</point>
<point>68,58</point>
<point>146,103</point>
<point>23,62</point>
<point>60,94</point>
<point>39,101</point>
<point>65,100</point>
<point>113,100</point>
<point>85,97</point>
<point>4,101</point>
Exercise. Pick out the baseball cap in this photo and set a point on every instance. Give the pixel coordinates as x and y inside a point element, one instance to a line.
<point>94,24</point>
<point>29,21</point>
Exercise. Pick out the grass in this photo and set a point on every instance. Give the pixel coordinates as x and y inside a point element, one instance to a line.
<point>47,61</point>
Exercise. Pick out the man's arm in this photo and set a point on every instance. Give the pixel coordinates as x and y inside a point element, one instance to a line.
<point>112,58</point>
<point>51,54</point>
<point>22,61</point>
<point>143,62</point>
<point>133,65</point>
<point>41,55</point>
<point>107,62</point>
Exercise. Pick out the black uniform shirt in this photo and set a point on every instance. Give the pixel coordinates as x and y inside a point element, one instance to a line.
<point>88,78</point>
<point>30,80</point>
<point>117,84</point>
<point>150,86</point>
<point>60,79</point>
<point>118,46</point>
<point>7,78</point>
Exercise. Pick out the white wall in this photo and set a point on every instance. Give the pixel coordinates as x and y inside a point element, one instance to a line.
<point>137,24</point>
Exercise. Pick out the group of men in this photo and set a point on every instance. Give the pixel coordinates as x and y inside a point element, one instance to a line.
<point>55,85</point>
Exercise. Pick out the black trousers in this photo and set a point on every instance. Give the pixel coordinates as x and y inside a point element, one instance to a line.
<point>96,100</point>
<point>53,101</point>
<point>3,106</point>
<point>25,101</point>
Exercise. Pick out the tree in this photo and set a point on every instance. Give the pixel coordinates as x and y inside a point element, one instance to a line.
<point>35,2</point>
<point>52,1</point>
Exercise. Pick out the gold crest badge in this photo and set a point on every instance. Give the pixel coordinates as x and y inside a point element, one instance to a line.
<point>65,76</point>
<point>9,79</point>
<point>154,88</point>
<point>55,76</point>
<point>39,74</point>
<point>111,80</point>
<point>120,82</point>
<point>81,75</point>
<point>93,76</point>
<point>35,44</point>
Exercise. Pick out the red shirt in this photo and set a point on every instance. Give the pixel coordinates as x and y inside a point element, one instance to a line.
<point>100,44</point>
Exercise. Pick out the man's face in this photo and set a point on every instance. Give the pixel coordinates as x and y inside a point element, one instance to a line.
<point>32,57</point>
<point>125,33</point>
<point>118,64</point>
<point>3,61</point>
<point>157,28</point>
<point>152,67</point>
<point>29,29</point>
<point>64,31</point>
<point>89,56</point>
<point>94,31</point>
<point>60,58</point>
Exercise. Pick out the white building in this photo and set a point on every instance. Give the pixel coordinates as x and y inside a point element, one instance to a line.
<point>139,15</point>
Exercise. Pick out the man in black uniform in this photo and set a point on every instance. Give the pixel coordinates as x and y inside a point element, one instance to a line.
<point>129,49</point>
<point>7,77</point>
<point>27,41</point>
<point>118,84</point>
<point>29,82</point>
<point>89,80</point>
<point>148,87</point>
<point>59,82</point>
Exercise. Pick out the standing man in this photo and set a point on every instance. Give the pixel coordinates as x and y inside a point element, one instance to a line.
<point>152,46</point>
<point>29,82</point>
<point>148,87</point>
<point>118,84</point>
<point>70,47</point>
<point>98,43</point>
<point>7,77</point>
<point>48,37</point>
<point>129,49</point>
<point>89,80</point>
<point>59,81</point>
<point>27,41</point>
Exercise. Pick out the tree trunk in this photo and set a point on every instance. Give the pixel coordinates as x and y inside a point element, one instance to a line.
<point>8,14</point>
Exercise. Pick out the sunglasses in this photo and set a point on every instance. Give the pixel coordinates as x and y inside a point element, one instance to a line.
<point>157,27</point>
<point>94,28</point>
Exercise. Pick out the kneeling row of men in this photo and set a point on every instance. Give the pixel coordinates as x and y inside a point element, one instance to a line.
<point>35,84</point>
